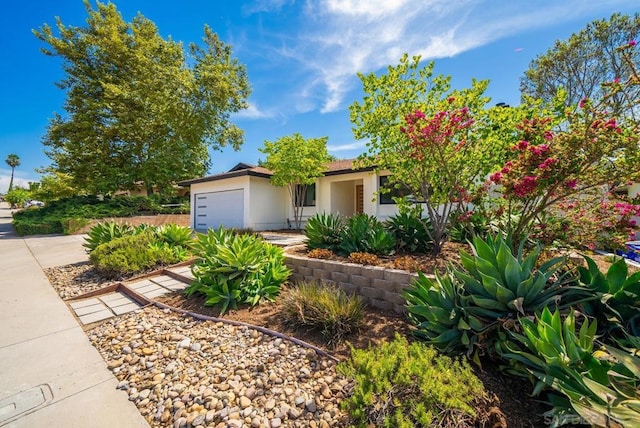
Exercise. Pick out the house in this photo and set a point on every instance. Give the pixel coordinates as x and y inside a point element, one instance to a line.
<point>244,197</point>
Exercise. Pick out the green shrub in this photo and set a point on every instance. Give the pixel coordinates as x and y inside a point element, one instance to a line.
<point>412,233</point>
<point>409,385</point>
<point>29,227</point>
<point>72,225</point>
<point>471,308</point>
<point>325,308</point>
<point>88,207</point>
<point>234,269</point>
<point>323,231</point>
<point>365,234</point>
<point>17,197</point>
<point>130,254</point>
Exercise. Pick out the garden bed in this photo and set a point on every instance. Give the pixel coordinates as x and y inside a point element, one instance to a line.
<point>518,408</point>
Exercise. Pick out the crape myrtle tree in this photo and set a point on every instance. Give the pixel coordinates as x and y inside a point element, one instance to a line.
<point>565,154</point>
<point>437,142</point>
<point>296,162</point>
<point>138,107</point>
<point>580,64</point>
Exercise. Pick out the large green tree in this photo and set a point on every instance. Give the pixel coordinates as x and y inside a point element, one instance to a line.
<point>582,63</point>
<point>13,161</point>
<point>437,142</point>
<point>139,108</point>
<point>296,162</point>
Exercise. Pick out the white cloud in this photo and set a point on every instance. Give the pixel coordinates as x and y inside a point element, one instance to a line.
<point>18,180</point>
<point>356,145</point>
<point>339,38</point>
<point>253,112</point>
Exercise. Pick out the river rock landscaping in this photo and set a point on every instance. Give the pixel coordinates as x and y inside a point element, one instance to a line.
<point>181,372</point>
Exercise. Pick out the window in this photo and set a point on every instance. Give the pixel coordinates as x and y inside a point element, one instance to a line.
<point>309,197</point>
<point>386,198</point>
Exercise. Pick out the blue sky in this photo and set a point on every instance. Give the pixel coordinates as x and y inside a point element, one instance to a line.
<point>301,56</point>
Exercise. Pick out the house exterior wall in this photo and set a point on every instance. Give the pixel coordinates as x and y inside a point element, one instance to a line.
<point>267,208</point>
<point>325,203</point>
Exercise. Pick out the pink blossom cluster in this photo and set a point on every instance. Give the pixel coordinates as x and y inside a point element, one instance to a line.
<point>439,130</point>
<point>525,186</point>
<point>534,164</point>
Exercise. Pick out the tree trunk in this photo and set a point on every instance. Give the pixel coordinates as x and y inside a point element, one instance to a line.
<point>11,181</point>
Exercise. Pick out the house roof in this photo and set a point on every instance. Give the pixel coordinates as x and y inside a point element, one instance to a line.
<point>332,168</point>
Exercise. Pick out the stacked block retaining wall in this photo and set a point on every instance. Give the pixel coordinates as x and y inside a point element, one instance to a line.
<point>377,286</point>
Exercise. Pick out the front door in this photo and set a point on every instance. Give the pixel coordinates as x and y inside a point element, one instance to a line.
<point>359,198</point>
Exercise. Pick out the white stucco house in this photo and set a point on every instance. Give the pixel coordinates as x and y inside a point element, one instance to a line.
<point>244,197</point>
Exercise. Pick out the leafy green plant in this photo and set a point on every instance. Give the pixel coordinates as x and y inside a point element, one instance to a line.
<point>54,214</point>
<point>129,255</point>
<point>233,269</point>
<point>102,233</point>
<point>323,231</point>
<point>410,231</point>
<point>437,309</point>
<point>175,235</point>
<point>397,384</point>
<point>614,402</point>
<point>476,304</point>
<point>550,341</point>
<point>325,308</point>
<point>363,233</point>
<point>617,296</point>
<point>465,226</point>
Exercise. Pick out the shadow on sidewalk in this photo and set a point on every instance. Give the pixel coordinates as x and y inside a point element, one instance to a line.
<point>6,228</point>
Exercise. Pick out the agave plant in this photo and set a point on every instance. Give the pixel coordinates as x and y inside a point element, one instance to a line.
<point>102,233</point>
<point>610,401</point>
<point>501,285</point>
<point>436,308</point>
<point>550,341</point>
<point>175,235</point>
<point>233,269</point>
<point>323,231</point>
<point>485,296</point>
<point>617,295</point>
<point>411,232</point>
<point>363,233</point>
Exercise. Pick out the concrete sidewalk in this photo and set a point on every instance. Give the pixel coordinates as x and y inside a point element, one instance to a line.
<point>50,374</point>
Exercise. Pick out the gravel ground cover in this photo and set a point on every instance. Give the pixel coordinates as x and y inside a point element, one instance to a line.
<point>183,372</point>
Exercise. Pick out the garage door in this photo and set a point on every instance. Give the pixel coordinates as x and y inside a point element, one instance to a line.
<point>217,209</point>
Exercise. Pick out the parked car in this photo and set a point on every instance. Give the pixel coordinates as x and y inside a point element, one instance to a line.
<point>33,203</point>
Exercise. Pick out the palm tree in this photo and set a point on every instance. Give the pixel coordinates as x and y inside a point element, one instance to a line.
<point>13,161</point>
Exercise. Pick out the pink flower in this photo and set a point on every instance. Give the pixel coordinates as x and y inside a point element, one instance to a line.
<point>616,80</point>
<point>583,102</point>
<point>632,43</point>
<point>526,186</point>
<point>571,184</point>
<point>495,177</point>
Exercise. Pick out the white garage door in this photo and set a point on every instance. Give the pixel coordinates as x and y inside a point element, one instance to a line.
<point>217,209</point>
